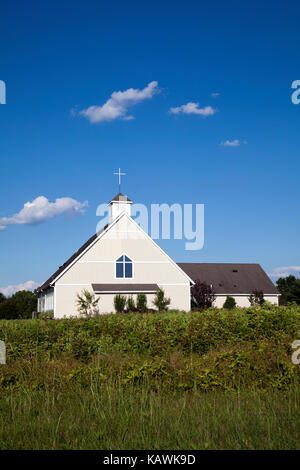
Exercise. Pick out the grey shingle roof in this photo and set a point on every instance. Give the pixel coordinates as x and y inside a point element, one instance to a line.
<point>231,278</point>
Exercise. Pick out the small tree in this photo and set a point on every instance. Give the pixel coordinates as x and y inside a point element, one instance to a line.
<point>229,303</point>
<point>203,294</point>
<point>130,303</point>
<point>141,302</point>
<point>119,303</point>
<point>87,303</point>
<point>160,301</point>
<point>256,298</point>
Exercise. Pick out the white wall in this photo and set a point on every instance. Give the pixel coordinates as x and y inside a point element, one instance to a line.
<point>242,300</point>
<point>97,266</point>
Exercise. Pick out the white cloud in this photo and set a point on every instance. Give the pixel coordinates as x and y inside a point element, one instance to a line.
<point>215,95</point>
<point>118,103</point>
<point>10,290</point>
<point>231,143</point>
<point>40,209</point>
<point>193,108</point>
<point>284,271</point>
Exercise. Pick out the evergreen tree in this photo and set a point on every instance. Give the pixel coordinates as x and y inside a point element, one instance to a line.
<point>141,302</point>
<point>160,301</point>
<point>229,303</point>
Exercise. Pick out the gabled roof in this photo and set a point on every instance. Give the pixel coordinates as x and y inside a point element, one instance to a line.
<point>61,268</point>
<point>52,279</point>
<point>121,198</point>
<point>231,278</point>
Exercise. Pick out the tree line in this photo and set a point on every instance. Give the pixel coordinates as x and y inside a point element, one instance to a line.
<point>20,305</point>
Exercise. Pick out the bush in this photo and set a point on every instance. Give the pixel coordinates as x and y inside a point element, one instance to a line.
<point>47,315</point>
<point>153,335</point>
<point>160,302</point>
<point>141,302</point>
<point>87,303</point>
<point>119,303</point>
<point>130,304</point>
<point>229,303</point>
<point>256,298</point>
<point>202,294</point>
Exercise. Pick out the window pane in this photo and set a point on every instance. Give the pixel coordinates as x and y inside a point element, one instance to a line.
<point>121,258</point>
<point>127,259</point>
<point>119,270</point>
<point>128,269</point>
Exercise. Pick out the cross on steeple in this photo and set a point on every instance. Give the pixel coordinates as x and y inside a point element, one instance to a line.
<point>119,174</point>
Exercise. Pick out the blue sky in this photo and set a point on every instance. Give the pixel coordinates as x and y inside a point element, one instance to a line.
<point>63,57</point>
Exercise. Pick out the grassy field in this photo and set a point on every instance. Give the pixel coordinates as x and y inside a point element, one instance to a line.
<point>205,380</point>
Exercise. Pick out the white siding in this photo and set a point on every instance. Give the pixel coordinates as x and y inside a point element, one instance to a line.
<point>242,300</point>
<point>46,301</point>
<point>97,266</point>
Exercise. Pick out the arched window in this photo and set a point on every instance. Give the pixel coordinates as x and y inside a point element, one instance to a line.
<point>124,267</point>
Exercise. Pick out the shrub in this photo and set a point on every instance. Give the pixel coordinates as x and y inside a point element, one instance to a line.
<point>141,302</point>
<point>119,303</point>
<point>48,315</point>
<point>202,294</point>
<point>130,304</point>
<point>256,298</point>
<point>87,303</point>
<point>160,301</point>
<point>229,303</point>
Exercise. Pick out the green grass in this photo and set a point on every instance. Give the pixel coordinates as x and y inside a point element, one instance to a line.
<point>116,418</point>
<point>212,380</point>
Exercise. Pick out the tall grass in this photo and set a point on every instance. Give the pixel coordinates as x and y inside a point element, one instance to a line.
<point>116,418</point>
<point>203,380</point>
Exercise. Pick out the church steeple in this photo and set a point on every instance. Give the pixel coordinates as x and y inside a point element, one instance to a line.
<point>118,204</point>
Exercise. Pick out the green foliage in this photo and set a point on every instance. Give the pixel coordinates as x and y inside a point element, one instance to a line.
<point>160,301</point>
<point>141,302</point>
<point>101,415</point>
<point>87,303</point>
<point>289,288</point>
<point>154,367</point>
<point>19,305</point>
<point>119,303</point>
<point>2,297</point>
<point>229,303</point>
<point>157,334</point>
<point>130,304</point>
<point>256,298</point>
<point>47,315</point>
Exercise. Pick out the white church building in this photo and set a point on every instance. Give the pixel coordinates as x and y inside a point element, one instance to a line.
<point>123,259</point>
